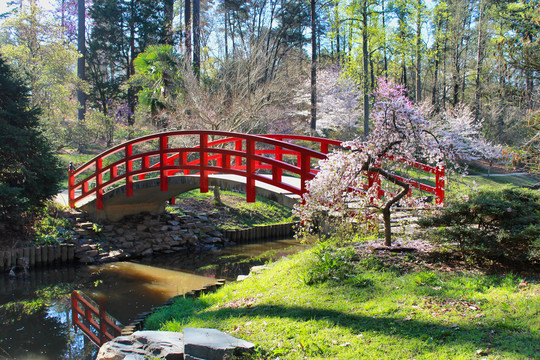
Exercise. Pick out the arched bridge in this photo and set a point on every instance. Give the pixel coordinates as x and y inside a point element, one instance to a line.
<point>179,161</point>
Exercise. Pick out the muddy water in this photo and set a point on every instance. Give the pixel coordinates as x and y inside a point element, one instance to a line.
<point>35,317</point>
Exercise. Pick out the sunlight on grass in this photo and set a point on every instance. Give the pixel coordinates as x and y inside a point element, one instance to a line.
<point>421,315</point>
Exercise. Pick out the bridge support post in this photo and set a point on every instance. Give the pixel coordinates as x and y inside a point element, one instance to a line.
<point>305,167</point>
<point>203,160</point>
<point>439,185</point>
<point>163,182</point>
<point>250,170</point>
<point>71,187</point>
<point>99,183</point>
<point>238,159</point>
<point>129,170</point>
<point>277,172</point>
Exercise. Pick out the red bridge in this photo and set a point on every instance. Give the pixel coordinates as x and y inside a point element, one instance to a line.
<point>269,159</point>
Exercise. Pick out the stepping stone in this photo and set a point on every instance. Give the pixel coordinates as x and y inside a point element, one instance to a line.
<point>144,345</point>
<point>212,344</point>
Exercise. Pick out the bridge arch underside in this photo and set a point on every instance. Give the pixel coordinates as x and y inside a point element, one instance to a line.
<point>147,196</point>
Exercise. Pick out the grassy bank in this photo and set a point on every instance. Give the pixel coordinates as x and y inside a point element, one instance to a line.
<point>342,304</point>
<point>234,212</point>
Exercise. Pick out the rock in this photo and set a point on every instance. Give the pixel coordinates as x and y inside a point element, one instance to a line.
<point>211,344</point>
<point>242,277</point>
<point>257,269</point>
<point>147,252</point>
<point>92,253</point>
<point>87,260</point>
<point>142,227</point>
<point>173,223</point>
<point>144,345</point>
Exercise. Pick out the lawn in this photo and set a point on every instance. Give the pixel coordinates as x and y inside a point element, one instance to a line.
<point>350,304</point>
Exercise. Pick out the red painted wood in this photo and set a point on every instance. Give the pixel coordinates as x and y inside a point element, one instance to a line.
<point>224,155</point>
<point>250,171</point>
<point>99,183</point>
<point>129,170</point>
<point>203,163</point>
<point>163,181</point>
<point>88,311</point>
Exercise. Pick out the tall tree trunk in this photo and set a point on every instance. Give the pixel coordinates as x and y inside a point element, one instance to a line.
<point>187,29</point>
<point>313,124</point>
<point>81,47</point>
<point>131,69</point>
<point>226,35</point>
<point>168,12</point>
<point>384,39</point>
<point>365,58</point>
<point>479,60</point>
<point>196,38</point>
<point>418,51</point>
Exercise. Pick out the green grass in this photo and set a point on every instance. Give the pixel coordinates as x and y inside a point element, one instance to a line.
<point>373,311</point>
<point>240,214</point>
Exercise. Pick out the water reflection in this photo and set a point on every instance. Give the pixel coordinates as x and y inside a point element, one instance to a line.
<point>35,314</point>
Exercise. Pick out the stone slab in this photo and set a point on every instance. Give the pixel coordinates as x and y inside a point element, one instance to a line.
<point>212,344</point>
<point>142,345</point>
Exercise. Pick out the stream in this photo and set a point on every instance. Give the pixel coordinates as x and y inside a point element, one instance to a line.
<point>35,313</point>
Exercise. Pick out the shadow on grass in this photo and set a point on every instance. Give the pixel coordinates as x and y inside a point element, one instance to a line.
<point>521,344</point>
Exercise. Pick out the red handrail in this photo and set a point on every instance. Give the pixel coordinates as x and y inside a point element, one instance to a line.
<point>106,328</point>
<point>236,153</point>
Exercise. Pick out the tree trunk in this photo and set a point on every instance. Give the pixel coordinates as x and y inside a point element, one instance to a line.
<point>168,12</point>
<point>187,29</point>
<point>384,39</point>
<point>131,69</point>
<point>313,124</point>
<point>81,47</point>
<point>365,56</point>
<point>226,34</point>
<point>479,59</point>
<point>388,205</point>
<point>418,51</point>
<point>196,38</point>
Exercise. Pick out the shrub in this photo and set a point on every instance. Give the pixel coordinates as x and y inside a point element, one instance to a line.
<point>495,224</point>
<point>29,173</point>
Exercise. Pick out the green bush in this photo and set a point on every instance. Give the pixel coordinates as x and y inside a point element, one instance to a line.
<point>495,224</point>
<point>29,171</point>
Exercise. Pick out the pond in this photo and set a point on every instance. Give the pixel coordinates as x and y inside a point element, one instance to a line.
<point>35,314</point>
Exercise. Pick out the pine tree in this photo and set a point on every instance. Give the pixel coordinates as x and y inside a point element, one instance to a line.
<point>29,172</point>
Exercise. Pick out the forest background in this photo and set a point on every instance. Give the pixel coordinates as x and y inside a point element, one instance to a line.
<point>104,71</point>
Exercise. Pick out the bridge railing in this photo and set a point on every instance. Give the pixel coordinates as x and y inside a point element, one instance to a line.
<point>219,152</point>
<point>92,319</point>
<point>235,153</point>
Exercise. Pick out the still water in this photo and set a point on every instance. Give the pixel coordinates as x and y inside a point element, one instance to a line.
<point>35,316</point>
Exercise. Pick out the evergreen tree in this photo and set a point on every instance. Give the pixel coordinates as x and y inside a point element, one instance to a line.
<point>29,172</point>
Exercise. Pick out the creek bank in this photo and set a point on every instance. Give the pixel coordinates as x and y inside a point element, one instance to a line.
<point>136,236</point>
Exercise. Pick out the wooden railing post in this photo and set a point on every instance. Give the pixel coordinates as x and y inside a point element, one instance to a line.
<point>250,170</point>
<point>277,172</point>
<point>102,322</point>
<point>305,168</point>
<point>439,185</point>
<point>163,181</point>
<point>99,183</point>
<point>71,187</point>
<point>74,306</point>
<point>238,159</point>
<point>324,148</point>
<point>203,163</point>
<point>129,170</point>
